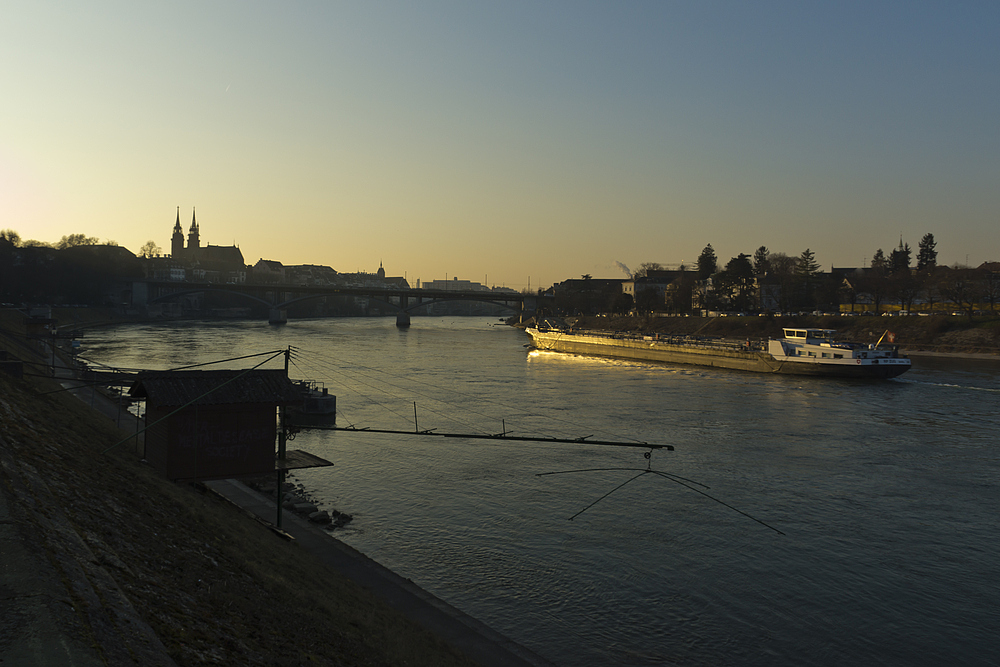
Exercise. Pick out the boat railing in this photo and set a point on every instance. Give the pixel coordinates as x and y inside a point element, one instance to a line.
<point>309,385</point>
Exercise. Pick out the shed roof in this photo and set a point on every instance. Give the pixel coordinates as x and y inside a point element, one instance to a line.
<point>180,387</point>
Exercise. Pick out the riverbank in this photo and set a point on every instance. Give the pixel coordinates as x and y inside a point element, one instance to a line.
<point>939,335</point>
<point>128,568</point>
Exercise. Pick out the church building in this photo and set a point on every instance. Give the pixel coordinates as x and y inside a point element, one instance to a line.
<point>211,262</point>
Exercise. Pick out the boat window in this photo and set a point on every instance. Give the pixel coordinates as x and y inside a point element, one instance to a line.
<point>826,355</point>
<point>838,356</point>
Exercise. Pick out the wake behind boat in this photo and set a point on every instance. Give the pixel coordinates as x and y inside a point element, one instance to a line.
<point>800,352</point>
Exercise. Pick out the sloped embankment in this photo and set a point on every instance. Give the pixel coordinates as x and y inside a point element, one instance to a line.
<point>134,551</point>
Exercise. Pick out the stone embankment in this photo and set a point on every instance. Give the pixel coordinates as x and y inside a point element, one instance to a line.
<point>295,498</point>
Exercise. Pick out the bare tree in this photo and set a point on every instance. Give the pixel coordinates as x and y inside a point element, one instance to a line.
<point>875,283</point>
<point>904,287</point>
<point>72,240</point>
<point>645,268</point>
<point>961,287</point>
<point>783,272</point>
<point>991,288</point>
<point>149,249</point>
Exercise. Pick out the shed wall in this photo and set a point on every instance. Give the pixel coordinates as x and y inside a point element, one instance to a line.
<point>212,441</point>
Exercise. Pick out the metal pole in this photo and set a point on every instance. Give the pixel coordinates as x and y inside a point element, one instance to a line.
<point>138,407</point>
<point>282,439</point>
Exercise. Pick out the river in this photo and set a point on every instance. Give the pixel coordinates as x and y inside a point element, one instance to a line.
<point>886,494</point>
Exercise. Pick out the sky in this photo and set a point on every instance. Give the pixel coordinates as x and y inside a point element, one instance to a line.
<point>507,142</point>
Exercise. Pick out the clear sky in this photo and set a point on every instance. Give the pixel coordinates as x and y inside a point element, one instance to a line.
<point>494,141</point>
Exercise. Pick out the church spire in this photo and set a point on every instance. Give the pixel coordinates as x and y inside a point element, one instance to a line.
<point>193,241</point>
<point>177,239</point>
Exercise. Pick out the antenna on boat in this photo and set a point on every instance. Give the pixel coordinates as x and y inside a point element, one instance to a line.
<point>683,481</point>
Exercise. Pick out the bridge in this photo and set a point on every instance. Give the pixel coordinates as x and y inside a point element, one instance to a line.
<point>277,297</point>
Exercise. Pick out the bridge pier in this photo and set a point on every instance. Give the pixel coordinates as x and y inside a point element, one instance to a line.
<point>528,309</point>
<point>402,319</point>
<point>278,316</point>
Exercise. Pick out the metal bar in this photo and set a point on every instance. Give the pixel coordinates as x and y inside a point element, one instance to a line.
<point>481,436</point>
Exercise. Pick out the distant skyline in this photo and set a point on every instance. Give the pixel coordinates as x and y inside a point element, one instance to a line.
<point>498,141</point>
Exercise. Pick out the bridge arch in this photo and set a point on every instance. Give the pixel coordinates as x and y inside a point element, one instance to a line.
<point>409,307</point>
<point>199,290</point>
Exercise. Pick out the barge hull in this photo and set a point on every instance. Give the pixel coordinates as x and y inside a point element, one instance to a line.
<point>703,355</point>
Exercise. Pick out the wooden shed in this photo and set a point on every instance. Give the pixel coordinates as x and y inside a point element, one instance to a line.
<point>212,424</point>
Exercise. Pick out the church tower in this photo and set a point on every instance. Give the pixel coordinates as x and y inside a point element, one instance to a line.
<point>381,272</point>
<point>193,241</point>
<point>177,240</point>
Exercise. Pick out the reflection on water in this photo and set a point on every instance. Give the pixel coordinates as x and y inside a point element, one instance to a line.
<point>886,492</point>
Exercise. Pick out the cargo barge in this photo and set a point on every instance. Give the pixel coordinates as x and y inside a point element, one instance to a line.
<point>800,352</point>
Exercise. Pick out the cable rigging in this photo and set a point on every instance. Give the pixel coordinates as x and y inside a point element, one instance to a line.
<point>683,481</point>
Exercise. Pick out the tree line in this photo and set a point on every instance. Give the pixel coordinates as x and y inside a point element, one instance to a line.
<point>774,281</point>
<point>76,269</point>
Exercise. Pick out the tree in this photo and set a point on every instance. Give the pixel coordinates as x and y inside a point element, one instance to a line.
<point>990,287</point>
<point>879,262</point>
<point>930,287</point>
<point>849,287</point>
<point>149,249</point>
<point>736,283</point>
<point>904,287</point>
<point>677,297</point>
<point>899,259</point>
<point>645,268</point>
<point>586,276</point>
<point>648,299</point>
<point>621,303</point>
<point>11,236</point>
<point>74,240</point>
<point>783,272</point>
<point>761,261</point>
<point>927,255</point>
<point>961,286</point>
<point>806,272</point>
<point>707,263</point>
<point>807,264</point>
<point>876,281</point>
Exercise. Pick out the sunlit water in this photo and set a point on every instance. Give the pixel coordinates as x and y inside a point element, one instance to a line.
<point>887,493</point>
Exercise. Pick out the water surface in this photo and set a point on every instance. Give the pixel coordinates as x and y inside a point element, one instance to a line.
<point>886,493</point>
